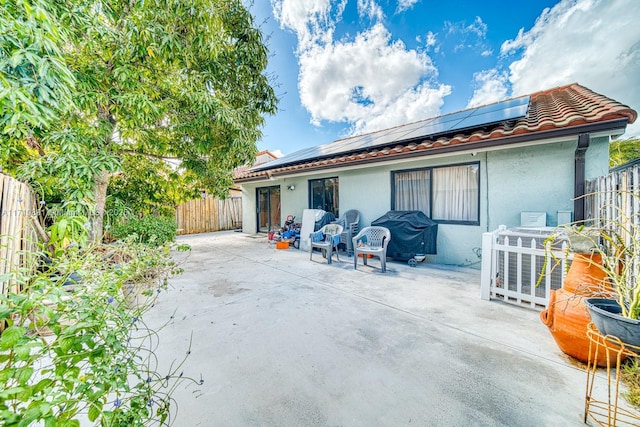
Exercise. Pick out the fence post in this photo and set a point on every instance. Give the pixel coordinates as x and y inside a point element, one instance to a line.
<point>486,270</point>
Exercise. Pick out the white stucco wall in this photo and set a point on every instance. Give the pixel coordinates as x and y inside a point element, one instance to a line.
<point>249,222</point>
<point>597,158</point>
<point>537,178</point>
<point>512,180</point>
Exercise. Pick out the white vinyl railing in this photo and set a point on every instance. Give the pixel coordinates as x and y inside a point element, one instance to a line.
<point>513,262</point>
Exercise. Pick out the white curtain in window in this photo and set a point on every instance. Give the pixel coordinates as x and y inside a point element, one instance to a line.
<point>412,191</point>
<point>456,193</point>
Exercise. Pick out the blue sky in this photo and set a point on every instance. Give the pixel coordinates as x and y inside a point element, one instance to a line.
<point>345,67</point>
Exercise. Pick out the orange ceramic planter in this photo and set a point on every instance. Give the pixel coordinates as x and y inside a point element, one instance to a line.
<point>566,316</point>
<point>586,277</point>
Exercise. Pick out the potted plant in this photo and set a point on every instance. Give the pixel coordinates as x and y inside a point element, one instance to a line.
<point>620,251</point>
<point>566,316</point>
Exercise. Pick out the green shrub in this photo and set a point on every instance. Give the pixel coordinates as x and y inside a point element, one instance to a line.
<point>86,352</point>
<point>67,230</point>
<point>149,229</point>
<point>630,374</point>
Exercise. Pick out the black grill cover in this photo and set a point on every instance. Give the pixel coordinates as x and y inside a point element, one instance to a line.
<point>412,232</point>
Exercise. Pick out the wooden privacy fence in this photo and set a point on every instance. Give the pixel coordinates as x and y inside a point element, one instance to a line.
<point>209,214</point>
<point>613,204</point>
<point>18,237</point>
<point>614,196</point>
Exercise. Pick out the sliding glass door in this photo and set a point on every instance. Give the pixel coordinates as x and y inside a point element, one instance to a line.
<point>268,202</point>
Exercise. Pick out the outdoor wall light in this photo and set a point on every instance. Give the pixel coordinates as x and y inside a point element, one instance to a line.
<point>291,187</point>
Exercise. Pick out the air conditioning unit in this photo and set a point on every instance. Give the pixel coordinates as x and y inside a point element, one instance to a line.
<point>531,265</point>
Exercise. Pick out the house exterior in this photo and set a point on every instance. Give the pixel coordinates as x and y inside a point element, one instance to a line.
<point>470,171</point>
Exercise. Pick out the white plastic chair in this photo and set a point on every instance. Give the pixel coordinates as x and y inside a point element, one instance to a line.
<point>371,240</point>
<point>329,243</point>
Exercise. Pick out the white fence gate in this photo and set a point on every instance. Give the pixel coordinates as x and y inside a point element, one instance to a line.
<point>517,269</point>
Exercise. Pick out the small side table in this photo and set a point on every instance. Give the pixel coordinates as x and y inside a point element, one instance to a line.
<point>605,411</point>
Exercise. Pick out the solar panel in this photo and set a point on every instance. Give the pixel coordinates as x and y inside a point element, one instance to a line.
<point>496,113</point>
<point>439,125</point>
<point>462,120</point>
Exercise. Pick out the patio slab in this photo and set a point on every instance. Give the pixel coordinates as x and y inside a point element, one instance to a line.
<point>283,341</point>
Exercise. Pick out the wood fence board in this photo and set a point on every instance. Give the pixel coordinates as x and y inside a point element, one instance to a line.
<point>9,225</point>
<point>3,235</point>
<point>617,197</point>
<point>209,214</point>
<point>18,238</point>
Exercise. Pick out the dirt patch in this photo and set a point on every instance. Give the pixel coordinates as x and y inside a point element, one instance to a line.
<point>224,287</point>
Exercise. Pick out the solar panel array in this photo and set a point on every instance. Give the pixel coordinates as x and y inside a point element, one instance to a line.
<point>462,120</point>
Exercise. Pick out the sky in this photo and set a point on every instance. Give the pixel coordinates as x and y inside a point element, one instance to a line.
<point>346,67</point>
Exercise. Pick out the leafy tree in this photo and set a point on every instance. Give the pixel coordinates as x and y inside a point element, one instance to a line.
<point>623,151</point>
<point>156,80</point>
<point>35,83</point>
<point>149,186</point>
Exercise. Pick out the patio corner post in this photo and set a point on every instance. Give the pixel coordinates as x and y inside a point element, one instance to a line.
<point>486,270</point>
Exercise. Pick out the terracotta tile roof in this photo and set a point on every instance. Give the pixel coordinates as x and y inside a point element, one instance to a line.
<point>262,157</point>
<point>572,109</point>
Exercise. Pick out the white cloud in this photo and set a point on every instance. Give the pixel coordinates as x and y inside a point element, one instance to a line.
<point>362,81</point>
<point>472,36</point>
<point>311,20</point>
<point>368,81</point>
<point>431,39</point>
<point>405,5</point>
<point>370,9</point>
<point>593,42</point>
<point>477,28</point>
<point>491,86</point>
<point>430,42</point>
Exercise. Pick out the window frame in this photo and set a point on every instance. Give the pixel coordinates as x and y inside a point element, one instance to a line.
<point>310,192</point>
<point>271,191</point>
<point>430,169</point>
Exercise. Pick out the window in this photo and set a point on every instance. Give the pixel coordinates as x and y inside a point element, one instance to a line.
<point>323,194</point>
<point>449,194</point>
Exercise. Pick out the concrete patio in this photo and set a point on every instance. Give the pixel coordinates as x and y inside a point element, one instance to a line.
<point>283,341</point>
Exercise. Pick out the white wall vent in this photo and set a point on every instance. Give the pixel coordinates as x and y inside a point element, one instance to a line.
<point>533,219</point>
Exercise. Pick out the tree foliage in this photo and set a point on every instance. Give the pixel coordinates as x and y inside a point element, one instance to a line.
<point>623,151</point>
<point>35,84</point>
<point>154,80</point>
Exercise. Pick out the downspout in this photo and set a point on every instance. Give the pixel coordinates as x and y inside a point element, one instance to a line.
<point>579,177</point>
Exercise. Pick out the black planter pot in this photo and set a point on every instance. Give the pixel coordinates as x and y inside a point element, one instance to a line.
<point>606,315</point>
